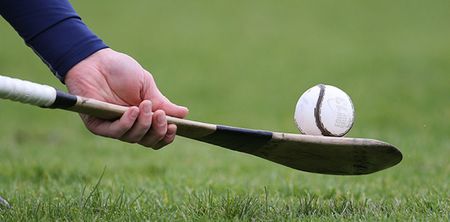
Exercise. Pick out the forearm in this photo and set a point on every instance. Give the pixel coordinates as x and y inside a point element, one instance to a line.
<point>53,30</point>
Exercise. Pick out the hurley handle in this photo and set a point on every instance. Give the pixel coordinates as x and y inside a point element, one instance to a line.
<point>48,97</point>
<point>26,92</point>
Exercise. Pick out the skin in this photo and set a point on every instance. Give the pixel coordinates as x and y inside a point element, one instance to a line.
<point>117,78</point>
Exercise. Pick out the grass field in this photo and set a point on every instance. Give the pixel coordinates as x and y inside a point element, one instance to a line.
<point>242,63</point>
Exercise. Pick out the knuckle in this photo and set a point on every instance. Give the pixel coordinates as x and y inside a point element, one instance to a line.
<point>148,144</point>
<point>169,139</point>
<point>145,124</point>
<point>100,132</point>
<point>121,129</point>
<point>159,133</point>
<point>117,133</point>
<point>95,131</point>
<point>158,146</point>
<point>124,126</point>
<point>134,136</point>
<point>129,140</point>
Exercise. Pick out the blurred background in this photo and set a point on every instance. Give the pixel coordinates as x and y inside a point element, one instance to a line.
<point>245,63</point>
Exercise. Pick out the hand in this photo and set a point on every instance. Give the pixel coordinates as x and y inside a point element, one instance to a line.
<point>116,78</point>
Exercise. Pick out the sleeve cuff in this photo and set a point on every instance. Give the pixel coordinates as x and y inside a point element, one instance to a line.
<point>65,44</point>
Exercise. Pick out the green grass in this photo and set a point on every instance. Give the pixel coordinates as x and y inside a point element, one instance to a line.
<point>242,63</point>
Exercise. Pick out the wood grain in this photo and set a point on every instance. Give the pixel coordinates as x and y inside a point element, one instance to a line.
<point>316,154</point>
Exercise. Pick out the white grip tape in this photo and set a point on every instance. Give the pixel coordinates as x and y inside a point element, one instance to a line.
<point>26,92</point>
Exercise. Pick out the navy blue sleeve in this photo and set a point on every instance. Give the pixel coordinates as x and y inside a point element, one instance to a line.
<point>53,30</point>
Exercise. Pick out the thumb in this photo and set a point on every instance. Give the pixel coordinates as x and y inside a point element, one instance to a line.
<point>159,101</point>
<point>172,109</point>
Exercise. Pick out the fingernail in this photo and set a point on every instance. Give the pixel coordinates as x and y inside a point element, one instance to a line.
<point>134,113</point>
<point>147,109</point>
<point>162,119</point>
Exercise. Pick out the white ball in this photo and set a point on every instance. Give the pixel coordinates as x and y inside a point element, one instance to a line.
<point>324,110</point>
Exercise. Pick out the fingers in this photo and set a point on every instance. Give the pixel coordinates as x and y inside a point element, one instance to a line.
<point>172,109</point>
<point>142,124</point>
<point>168,138</point>
<point>137,125</point>
<point>158,130</point>
<point>116,129</point>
